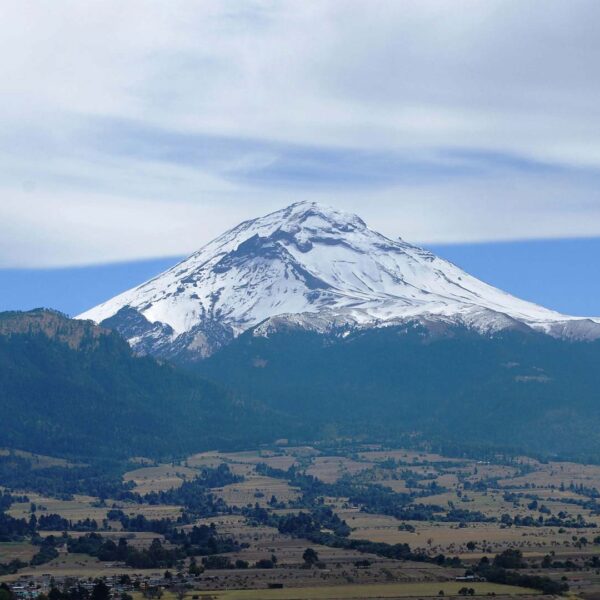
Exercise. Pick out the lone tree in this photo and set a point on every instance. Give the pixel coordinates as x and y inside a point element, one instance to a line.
<point>310,557</point>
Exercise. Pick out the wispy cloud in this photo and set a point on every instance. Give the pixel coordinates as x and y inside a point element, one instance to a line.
<point>137,129</point>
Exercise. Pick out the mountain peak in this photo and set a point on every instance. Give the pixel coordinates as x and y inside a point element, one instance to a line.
<point>303,220</point>
<point>312,214</point>
<point>312,264</point>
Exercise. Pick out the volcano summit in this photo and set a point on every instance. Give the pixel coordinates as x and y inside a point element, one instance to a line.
<point>316,268</point>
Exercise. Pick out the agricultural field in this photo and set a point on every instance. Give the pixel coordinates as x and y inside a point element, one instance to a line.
<point>16,550</point>
<point>76,508</point>
<point>256,490</point>
<point>374,590</point>
<point>314,522</point>
<point>158,478</point>
<point>331,468</point>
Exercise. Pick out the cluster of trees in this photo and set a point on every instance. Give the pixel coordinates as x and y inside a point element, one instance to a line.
<point>54,522</point>
<point>203,540</point>
<point>579,488</point>
<point>13,530</point>
<point>224,562</point>
<point>47,550</point>
<point>465,591</point>
<point>200,541</point>
<point>140,522</point>
<point>310,524</point>
<point>505,569</point>
<point>11,567</point>
<point>100,591</point>
<point>156,556</point>
<point>195,494</point>
<point>7,499</point>
<point>101,479</point>
<point>372,498</point>
<point>562,519</point>
<point>425,481</point>
<point>319,527</point>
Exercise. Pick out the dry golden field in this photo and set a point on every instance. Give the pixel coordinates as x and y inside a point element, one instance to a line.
<point>487,491</point>
<point>159,478</point>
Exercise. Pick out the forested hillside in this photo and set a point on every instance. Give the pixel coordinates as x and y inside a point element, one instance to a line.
<point>69,387</point>
<point>515,390</point>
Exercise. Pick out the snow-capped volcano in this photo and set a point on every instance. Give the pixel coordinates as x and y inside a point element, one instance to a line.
<point>314,267</point>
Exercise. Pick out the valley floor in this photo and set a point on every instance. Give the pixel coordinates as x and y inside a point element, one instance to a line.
<point>383,523</point>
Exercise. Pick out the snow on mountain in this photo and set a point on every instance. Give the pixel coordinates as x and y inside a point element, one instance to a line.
<point>314,267</point>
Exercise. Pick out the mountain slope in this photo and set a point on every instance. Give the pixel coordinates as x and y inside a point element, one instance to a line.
<point>309,312</point>
<point>319,269</point>
<point>516,390</point>
<point>72,388</point>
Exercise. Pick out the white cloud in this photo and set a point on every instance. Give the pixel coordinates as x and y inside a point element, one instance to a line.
<point>270,97</point>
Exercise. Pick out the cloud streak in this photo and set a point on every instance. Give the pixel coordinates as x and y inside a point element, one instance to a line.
<point>130,130</point>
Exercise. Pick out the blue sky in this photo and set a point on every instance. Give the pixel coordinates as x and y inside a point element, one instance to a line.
<point>133,131</point>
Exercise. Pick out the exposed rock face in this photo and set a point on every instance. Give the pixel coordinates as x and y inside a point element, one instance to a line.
<point>53,324</point>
